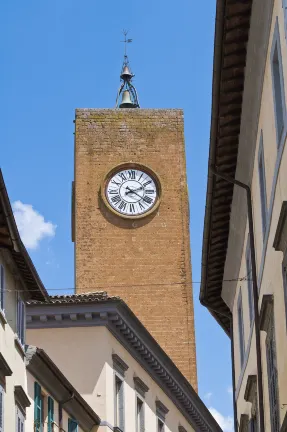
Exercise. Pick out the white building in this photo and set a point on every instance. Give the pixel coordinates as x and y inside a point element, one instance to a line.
<point>248,136</point>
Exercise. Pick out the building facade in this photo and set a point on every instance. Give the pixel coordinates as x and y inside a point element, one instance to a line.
<point>248,135</point>
<point>116,365</point>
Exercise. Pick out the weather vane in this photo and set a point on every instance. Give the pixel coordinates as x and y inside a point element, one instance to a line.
<point>127,90</point>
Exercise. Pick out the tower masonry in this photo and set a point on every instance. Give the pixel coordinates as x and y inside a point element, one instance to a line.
<point>131,220</point>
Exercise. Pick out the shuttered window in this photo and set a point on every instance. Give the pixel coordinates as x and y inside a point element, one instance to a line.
<point>272,377</point>
<point>21,320</point>
<point>119,403</point>
<point>241,329</point>
<point>1,409</point>
<point>50,414</point>
<point>2,286</point>
<point>72,425</point>
<point>20,420</point>
<point>140,416</point>
<point>262,186</point>
<point>38,408</point>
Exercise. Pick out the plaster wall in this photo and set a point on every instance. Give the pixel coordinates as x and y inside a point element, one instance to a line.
<point>13,354</point>
<point>268,261</point>
<point>90,370</point>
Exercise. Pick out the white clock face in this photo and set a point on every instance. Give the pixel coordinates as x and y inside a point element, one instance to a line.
<point>131,192</point>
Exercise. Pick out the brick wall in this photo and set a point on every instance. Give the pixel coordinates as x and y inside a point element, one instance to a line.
<point>147,261</point>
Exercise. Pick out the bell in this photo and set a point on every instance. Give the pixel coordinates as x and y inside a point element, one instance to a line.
<point>126,74</point>
<point>126,100</point>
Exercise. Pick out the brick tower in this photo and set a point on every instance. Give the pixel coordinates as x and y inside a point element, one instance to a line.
<point>131,217</point>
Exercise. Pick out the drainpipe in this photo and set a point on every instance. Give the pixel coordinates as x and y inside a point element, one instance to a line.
<point>232,366</point>
<point>255,289</point>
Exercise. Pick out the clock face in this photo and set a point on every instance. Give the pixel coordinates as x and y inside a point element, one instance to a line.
<point>132,192</point>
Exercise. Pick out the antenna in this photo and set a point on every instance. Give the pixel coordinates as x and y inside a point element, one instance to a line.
<point>126,41</point>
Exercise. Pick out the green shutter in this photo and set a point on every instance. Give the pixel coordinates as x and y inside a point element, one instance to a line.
<point>37,408</point>
<point>72,425</point>
<point>50,414</point>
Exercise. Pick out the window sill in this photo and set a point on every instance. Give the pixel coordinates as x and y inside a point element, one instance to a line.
<point>2,318</point>
<point>19,347</point>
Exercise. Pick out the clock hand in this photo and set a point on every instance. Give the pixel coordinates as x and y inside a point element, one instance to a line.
<point>132,191</point>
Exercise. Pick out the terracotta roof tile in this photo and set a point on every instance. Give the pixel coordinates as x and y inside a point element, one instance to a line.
<point>91,297</point>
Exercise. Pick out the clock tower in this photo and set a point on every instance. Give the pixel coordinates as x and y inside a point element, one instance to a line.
<point>130,219</point>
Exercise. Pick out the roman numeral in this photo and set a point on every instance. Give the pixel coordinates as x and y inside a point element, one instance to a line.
<point>142,207</point>
<point>147,199</point>
<point>132,208</point>
<point>147,183</point>
<point>116,183</point>
<point>150,191</point>
<point>132,175</point>
<point>140,176</point>
<point>123,177</point>
<point>112,191</point>
<point>116,199</point>
<point>122,206</point>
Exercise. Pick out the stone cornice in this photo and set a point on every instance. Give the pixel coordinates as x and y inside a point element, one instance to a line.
<point>125,326</point>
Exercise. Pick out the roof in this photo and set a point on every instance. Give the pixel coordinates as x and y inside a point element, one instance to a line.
<point>230,51</point>
<point>40,365</point>
<point>112,312</point>
<point>10,240</point>
<point>92,297</point>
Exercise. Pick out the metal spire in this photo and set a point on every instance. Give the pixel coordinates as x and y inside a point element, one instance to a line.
<point>127,89</point>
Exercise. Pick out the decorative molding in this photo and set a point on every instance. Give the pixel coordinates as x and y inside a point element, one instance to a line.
<point>2,318</point>
<point>138,342</point>
<point>243,426</point>
<point>284,424</point>
<point>19,346</point>
<point>250,389</point>
<point>266,311</point>
<point>4,367</point>
<point>140,386</point>
<point>280,239</point>
<point>119,365</point>
<point>181,429</point>
<point>161,409</point>
<point>21,398</point>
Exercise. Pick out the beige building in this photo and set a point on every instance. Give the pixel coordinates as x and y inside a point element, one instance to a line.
<point>248,135</point>
<point>116,365</point>
<point>19,282</point>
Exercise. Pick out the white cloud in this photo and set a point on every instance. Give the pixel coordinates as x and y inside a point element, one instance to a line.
<point>31,225</point>
<point>226,423</point>
<point>207,396</point>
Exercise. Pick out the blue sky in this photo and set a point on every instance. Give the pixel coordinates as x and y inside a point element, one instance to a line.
<point>59,55</point>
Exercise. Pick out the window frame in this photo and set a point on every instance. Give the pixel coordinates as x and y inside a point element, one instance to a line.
<point>21,322</point>
<point>240,320</point>
<point>262,186</point>
<point>276,50</point>
<point>140,415</point>
<point>160,424</point>
<point>50,413</point>
<point>272,374</point>
<point>2,394</point>
<point>249,280</point>
<point>119,418</point>
<point>2,287</point>
<point>38,407</point>
<point>72,425</point>
<point>20,417</point>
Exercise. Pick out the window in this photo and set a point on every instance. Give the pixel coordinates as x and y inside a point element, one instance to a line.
<point>38,408</point>
<point>284,4</point>
<point>262,186</point>
<point>1,409</point>
<point>249,281</point>
<point>160,425</point>
<point>72,425</point>
<point>2,286</point>
<point>20,420</point>
<point>140,416</point>
<point>21,320</point>
<point>272,377</point>
<point>278,85</point>
<point>119,403</point>
<point>50,414</point>
<point>240,328</point>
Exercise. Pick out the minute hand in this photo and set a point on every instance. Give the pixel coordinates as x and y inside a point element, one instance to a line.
<point>134,192</point>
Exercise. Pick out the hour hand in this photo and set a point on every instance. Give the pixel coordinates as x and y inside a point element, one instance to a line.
<point>133,190</point>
